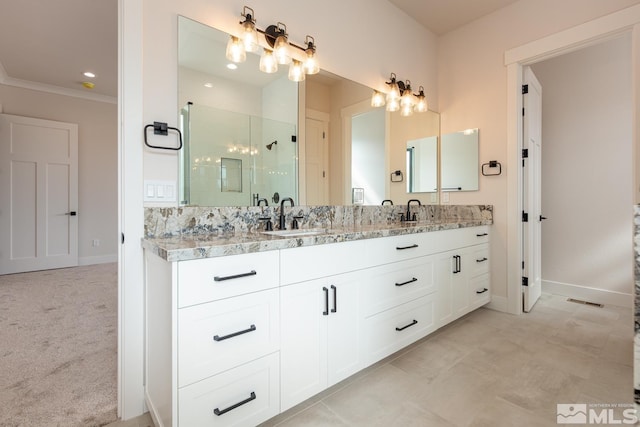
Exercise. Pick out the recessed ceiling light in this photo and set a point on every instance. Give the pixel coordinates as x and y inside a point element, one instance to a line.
<point>209,85</point>
<point>89,74</point>
<point>232,66</point>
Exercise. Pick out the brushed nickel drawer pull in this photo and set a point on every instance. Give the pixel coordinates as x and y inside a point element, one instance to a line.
<point>407,282</point>
<point>401,248</point>
<point>415,322</point>
<point>483,259</point>
<point>235,334</point>
<point>235,276</point>
<point>219,412</point>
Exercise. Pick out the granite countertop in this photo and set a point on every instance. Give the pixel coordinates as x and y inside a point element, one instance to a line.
<point>197,246</point>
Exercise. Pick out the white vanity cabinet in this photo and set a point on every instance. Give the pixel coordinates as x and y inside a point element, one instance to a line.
<point>213,340</point>
<point>462,274</point>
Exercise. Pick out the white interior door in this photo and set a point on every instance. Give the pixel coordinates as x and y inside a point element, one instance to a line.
<point>316,162</point>
<point>38,194</point>
<point>532,233</point>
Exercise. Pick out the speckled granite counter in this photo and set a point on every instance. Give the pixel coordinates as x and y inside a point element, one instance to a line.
<point>225,240</point>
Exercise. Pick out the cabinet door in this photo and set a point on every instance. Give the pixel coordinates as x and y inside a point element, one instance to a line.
<point>303,347</point>
<point>344,326</point>
<point>451,279</point>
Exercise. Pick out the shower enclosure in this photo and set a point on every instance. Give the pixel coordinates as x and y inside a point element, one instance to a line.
<point>233,159</point>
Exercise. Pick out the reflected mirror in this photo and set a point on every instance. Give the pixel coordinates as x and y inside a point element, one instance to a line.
<point>459,161</point>
<point>422,165</point>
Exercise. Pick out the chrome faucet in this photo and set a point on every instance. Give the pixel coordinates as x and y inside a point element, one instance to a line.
<point>282,224</point>
<point>409,217</point>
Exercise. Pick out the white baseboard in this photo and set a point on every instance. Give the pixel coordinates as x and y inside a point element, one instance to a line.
<point>498,304</point>
<point>102,259</point>
<point>601,296</point>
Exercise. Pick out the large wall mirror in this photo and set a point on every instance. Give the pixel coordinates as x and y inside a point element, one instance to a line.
<point>252,136</point>
<point>459,161</point>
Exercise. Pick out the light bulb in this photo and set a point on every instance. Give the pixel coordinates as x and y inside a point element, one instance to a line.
<point>235,50</point>
<point>249,36</point>
<point>311,65</point>
<point>421,105</point>
<point>394,92</point>
<point>296,72</point>
<point>268,63</point>
<point>406,110</point>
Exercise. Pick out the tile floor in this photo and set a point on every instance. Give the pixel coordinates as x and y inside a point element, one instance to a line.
<point>486,369</point>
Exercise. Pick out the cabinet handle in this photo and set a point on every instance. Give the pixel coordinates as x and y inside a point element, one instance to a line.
<point>235,334</point>
<point>335,299</point>
<point>415,322</point>
<point>326,301</point>
<point>482,259</point>
<point>235,276</point>
<point>482,235</point>
<point>219,412</point>
<point>482,291</point>
<point>407,282</point>
<point>457,267</point>
<point>402,248</point>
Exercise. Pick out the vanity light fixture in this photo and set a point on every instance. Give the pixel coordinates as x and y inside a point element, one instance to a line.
<point>400,97</point>
<point>278,48</point>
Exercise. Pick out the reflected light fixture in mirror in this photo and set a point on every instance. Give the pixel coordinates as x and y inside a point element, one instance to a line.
<point>400,98</point>
<point>280,51</point>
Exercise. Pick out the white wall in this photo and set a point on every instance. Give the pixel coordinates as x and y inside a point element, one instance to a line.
<point>587,171</point>
<point>97,158</point>
<point>472,92</point>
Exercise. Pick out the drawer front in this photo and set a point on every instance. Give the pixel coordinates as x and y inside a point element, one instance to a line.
<point>398,283</point>
<point>399,248</point>
<point>211,279</point>
<point>219,335</point>
<point>244,396</point>
<point>463,237</point>
<point>390,331</point>
<point>479,290</point>
<point>479,260</point>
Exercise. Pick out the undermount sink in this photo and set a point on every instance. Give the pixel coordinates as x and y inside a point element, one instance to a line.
<point>296,233</point>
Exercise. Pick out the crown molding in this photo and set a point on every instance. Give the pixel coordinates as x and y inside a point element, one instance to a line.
<point>58,90</point>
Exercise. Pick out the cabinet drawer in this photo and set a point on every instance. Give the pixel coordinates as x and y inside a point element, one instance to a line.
<point>399,248</point>
<point>479,290</point>
<point>479,260</point>
<point>246,395</point>
<point>219,335</point>
<point>398,283</point>
<point>389,331</point>
<point>216,278</point>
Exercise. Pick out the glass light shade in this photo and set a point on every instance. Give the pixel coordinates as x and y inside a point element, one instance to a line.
<point>393,104</point>
<point>311,65</point>
<point>406,110</point>
<point>281,50</point>
<point>407,99</point>
<point>394,92</point>
<point>421,106</point>
<point>268,63</point>
<point>377,99</point>
<point>235,50</point>
<point>249,36</point>
<point>296,72</point>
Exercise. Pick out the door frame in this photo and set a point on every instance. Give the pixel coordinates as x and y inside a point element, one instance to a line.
<point>587,34</point>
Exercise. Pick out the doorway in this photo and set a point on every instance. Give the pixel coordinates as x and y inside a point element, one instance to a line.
<point>515,59</point>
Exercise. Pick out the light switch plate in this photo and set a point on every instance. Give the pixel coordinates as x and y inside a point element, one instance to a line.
<point>159,191</point>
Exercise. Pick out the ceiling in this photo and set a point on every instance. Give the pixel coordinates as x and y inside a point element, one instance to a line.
<point>47,45</point>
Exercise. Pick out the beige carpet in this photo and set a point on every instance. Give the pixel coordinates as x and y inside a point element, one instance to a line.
<point>58,332</point>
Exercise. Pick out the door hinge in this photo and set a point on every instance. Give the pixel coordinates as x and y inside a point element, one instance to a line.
<point>525,89</point>
<point>324,174</point>
<point>522,111</point>
<point>294,138</point>
<point>525,153</point>
<point>525,217</point>
<point>122,238</point>
<point>323,135</point>
<point>523,265</point>
<point>525,281</point>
